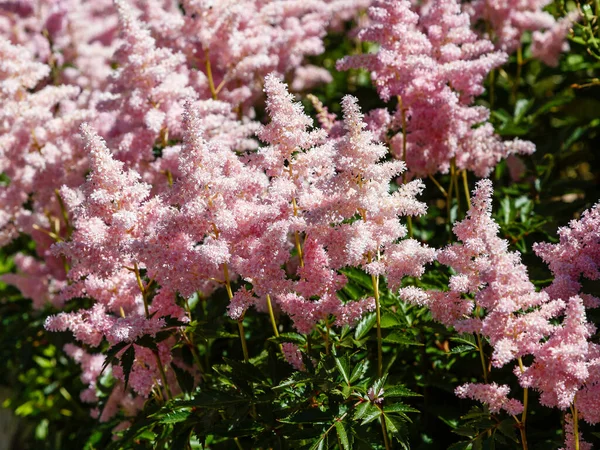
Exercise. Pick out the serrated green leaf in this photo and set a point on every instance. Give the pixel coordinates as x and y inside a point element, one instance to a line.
<point>359,370</point>
<point>462,349</point>
<point>507,428</point>
<point>184,379</point>
<point>172,416</point>
<point>127,359</point>
<point>343,365</point>
<point>390,320</point>
<point>364,326</point>
<point>340,428</point>
<point>312,415</point>
<point>397,337</point>
<point>112,353</point>
<point>148,342</point>
<point>399,391</point>
<point>367,412</point>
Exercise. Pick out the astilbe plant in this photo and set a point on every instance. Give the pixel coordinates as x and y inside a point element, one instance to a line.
<point>167,210</point>
<point>434,64</point>
<point>490,295</point>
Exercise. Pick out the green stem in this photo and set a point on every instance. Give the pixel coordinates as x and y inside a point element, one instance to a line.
<point>466,187</point>
<point>375,283</point>
<point>237,443</point>
<point>243,339</point>
<point>386,440</point>
<point>163,376</point>
<point>492,89</point>
<point>403,119</point>
<point>142,288</point>
<point>575,424</point>
<point>241,319</point>
<point>482,357</point>
<point>272,316</point>
<point>515,86</point>
<point>211,82</point>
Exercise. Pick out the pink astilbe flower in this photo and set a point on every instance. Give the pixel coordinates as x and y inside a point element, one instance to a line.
<point>576,255</point>
<point>561,366</point>
<point>147,92</point>
<point>106,219</point>
<point>548,45</point>
<point>435,64</point>
<point>189,231</point>
<point>508,20</point>
<point>36,281</point>
<point>88,326</point>
<point>293,356</point>
<point>516,316</point>
<point>493,395</point>
<point>243,41</point>
<point>353,183</point>
<point>91,367</point>
<point>570,436</point>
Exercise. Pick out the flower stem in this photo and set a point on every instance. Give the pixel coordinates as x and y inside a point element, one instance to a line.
<point>386,440</point>
<point>466,186</point>
<point>375,282</point>
<point>482,357</point>
<point>272,316</point>
<point>438,185</point>
<point>403,119</point>
<point>240,321</point>
<point>515,86</point>
<point>163,376</point>
<point>295,211</point>
<point>211,81</point>
<point>575,425</point>
<point>142,288</point>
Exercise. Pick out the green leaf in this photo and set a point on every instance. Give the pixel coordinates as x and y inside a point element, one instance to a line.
<point>294,338</point>
<point>364,326</point>
<point>358,277</point>
<point>112,353</point>
<point>507,428</point>
<point>399,391</point>
<point>359,370</point>
<point>172,416</point>
<point>390,320</point>
<point>148,342</point>
<point>367,412</point>
<point>340,428</point>
<point>184,379</point>
<point>343,365</point>
<point>399,408</point>
<point>463,349</point>
<point>312,415</point>
<point>397,337</point>
<point>127,359</point>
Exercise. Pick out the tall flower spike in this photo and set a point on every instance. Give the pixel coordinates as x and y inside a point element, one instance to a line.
<point>287,132</point>
<point>106,219</point>
<point>435,65</point>
<point>576,255</point>
<point>517,317</point>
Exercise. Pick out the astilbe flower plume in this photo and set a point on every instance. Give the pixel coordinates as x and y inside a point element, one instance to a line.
<point>576,255</point>
<point>508,20</point>
<point>351,183</point>
<point>435,64</point>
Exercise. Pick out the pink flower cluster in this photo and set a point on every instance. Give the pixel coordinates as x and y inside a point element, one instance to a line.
<point>508,20</point>
<point>490,295</point>
<point>170,88</point>
<point>435,64</point>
